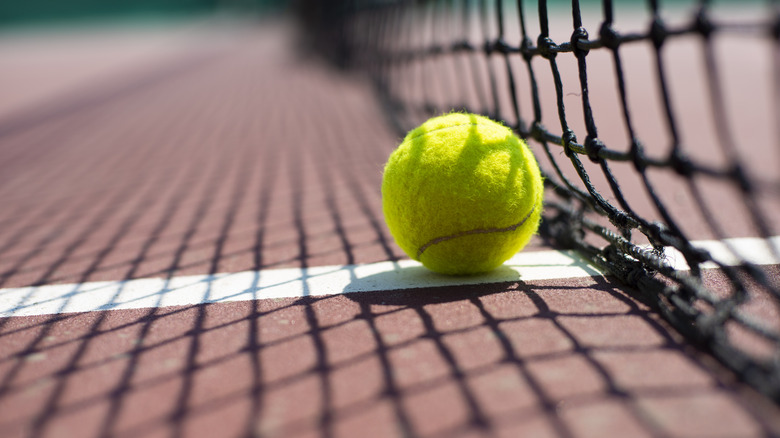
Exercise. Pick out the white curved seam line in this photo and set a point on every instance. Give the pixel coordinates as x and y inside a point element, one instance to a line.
<point>471,232</point>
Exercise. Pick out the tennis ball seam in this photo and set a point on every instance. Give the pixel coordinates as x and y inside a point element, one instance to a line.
<point>441,239</point>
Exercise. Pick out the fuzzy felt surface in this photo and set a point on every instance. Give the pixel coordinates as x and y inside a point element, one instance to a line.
<point>462,194</point>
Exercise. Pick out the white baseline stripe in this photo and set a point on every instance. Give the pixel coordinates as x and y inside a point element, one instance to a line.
<point>315,281</point>
<point>274,283</point>
<point>730,252</point>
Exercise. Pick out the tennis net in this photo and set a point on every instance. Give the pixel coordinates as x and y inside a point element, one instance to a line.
<point>655,126</point>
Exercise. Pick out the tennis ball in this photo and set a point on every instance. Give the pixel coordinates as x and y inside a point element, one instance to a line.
<point>462,194</point>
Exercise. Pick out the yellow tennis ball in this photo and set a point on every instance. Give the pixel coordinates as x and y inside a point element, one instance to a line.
<point>462,194</point>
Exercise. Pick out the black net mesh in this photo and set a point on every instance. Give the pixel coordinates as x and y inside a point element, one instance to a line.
<point>656,126</point>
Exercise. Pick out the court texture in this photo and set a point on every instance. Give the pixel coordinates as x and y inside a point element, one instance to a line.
<point>192,240</point>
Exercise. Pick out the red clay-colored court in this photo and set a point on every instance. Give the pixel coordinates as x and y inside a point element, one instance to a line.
<point>167,165</point>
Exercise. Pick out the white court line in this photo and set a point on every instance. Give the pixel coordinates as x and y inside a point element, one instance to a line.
<point>315,281</point>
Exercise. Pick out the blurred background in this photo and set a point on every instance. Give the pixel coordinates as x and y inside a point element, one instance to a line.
<point>15,14</point>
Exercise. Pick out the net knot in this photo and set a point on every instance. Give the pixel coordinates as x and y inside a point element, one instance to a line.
<point>658,32</point>
<point>579,34</point>
<point>537,131</point>
<point>501,46</point>
<point>622,221</point>
<point>681,164</point>
<point>638,156</point>
<point>609,36</point>
<point>568,139</point>
<point>462,45</point>
<point>703,24</point>
<point>593,146</point>
<point>527,49</point>
<point>547,47</point>
<point>488,47</point>
<point>624,267</point>
<point>738,173</point>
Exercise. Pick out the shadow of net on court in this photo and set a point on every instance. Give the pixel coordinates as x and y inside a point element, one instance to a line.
<point>502,359</point>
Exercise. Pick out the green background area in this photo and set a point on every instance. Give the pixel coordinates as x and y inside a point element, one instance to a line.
<point>15,13</point>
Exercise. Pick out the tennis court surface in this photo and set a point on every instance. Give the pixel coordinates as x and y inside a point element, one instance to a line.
<point>192,244</point>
